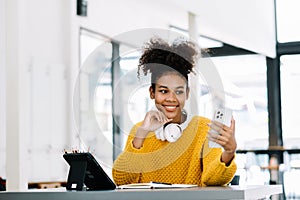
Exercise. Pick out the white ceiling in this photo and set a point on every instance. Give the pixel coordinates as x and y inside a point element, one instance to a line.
<point>249,24</point>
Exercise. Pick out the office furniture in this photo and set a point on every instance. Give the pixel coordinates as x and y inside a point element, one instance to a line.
<point>198,193</point>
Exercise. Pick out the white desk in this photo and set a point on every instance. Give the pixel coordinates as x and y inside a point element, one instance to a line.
<point>198,193</point>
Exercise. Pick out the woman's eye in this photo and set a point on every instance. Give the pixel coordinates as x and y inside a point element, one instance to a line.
<point>178,92</point>
<point>163,91</point>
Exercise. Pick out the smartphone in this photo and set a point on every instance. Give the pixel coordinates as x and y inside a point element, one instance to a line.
<point>222,115</point>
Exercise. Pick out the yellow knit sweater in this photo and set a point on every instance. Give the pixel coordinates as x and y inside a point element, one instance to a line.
<point>189,160</point>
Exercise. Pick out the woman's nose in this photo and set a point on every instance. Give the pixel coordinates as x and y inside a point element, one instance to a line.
<point>171,97</point>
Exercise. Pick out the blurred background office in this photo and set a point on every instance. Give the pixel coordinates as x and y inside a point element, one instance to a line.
<point>46,99</point>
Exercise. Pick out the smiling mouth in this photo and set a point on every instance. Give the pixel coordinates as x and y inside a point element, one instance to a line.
<point>170,108</point>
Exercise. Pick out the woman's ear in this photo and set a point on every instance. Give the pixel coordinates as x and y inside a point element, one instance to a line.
<point>151,91</point>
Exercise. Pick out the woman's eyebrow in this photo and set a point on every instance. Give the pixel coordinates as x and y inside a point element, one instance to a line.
<point>162,86</point>
<point>179,87</point>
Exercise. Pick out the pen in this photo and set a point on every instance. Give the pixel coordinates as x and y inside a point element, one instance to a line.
<point>161,183</point>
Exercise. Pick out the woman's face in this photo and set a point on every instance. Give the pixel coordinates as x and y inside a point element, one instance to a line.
<point>170,94</point>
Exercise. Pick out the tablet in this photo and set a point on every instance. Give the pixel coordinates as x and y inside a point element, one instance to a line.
<point>86,174</point>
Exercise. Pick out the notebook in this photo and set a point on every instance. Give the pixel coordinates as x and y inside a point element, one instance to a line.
<point>154,185</point>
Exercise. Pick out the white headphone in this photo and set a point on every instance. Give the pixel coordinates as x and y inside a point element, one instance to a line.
<point>172,131</point>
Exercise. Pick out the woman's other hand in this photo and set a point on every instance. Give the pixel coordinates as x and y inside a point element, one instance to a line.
<point>153,120</point>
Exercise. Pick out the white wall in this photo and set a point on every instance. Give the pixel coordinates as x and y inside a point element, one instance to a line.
<point>2,89</point>
<point>37,46</point>
<point>16,133</point>
<point>47,62</point>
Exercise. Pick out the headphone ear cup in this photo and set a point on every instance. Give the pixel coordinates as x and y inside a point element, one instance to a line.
<point>172,132</point>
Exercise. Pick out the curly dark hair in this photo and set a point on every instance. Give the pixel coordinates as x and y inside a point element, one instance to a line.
<point>159,58</point>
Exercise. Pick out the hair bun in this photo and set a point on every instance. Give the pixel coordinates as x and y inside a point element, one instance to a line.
<point>181,56</point>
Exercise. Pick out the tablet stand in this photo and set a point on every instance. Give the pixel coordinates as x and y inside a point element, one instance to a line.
<point>76,175</point>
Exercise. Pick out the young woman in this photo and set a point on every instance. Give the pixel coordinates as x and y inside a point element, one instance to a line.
<point>168,145</point>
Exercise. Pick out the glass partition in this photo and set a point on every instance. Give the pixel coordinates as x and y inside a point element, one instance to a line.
<point>290,98</point>
<point>95,97</point>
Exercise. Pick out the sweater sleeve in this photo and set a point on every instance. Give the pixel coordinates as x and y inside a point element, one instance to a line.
<point>130,164</point>
<point>216,172</point>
